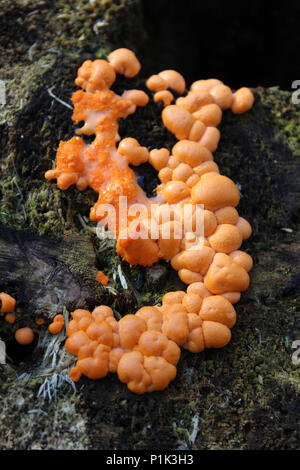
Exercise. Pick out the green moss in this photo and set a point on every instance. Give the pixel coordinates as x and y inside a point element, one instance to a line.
<point>44,209</point>
<point>287,116</point>
<point>66,28</point>
<point>12,203</point>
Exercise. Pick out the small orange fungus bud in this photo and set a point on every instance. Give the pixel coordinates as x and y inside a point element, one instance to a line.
<point>10,318</point>
<point>124,62</point>
<point>192,180</point>
<point>152,316</point>
<point>132,150</point>
<point>210,115</point>
<point>195,340</point>
<point>218,309</point>
<point>168,247</point>
<point>210,138</point>
<point>216,335</point>
<point>75,374</point>
<point>175,191</point>
<point>173,297</point>
<point>178,121</point>
<point>225,275</point>
<point>158,158</point>
<point>175,326</point>
<point>193,101</point>
<point>205,85</point>
<point>165,96</point>
<point>244,227</point>
<point>102,278</point>
<point>75,342</point>
<point>8,303</point>
<point>154,343</point>
<point>182,172</point>
<point>174,80</point>
<point>206,167</point>
<point>130,329</point>
<point>57,325</point>
<point>137,97</point>
<point>243,100</point>
<point>24,336</point>
<point>139,251</point>
<point>191,153</point>
<point>227,215</point>
<point>233,297</point>
<point>156,83</point>
<point>197,131</point>
<point>226,238</point>
<point>199,289</point>
<point>222,96</point>
<point>243,259</point>
<point>165,175</point>
<point>215,191</point>
<point>95,76</point>
<point>173,162</point>
<point>192,302</point>
<point>188,277</point>
<point>194,260</point>
<point>210,223</point>
<point>132,372</point>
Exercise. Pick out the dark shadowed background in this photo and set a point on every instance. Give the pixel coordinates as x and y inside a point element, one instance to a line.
<point>250,43</point>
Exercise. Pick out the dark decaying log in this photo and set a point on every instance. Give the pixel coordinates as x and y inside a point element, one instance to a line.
<point>47,274</point>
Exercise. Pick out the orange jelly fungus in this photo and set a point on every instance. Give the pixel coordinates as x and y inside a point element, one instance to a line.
<point>8,303</point>
<point>10,318</point>
<point>57,325</point>
<point>24,336</point>
<point>144,349</point>
<point>102,278</point>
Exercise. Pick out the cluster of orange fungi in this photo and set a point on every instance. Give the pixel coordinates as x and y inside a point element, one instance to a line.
<point>23,336</point>
<point>144,348</point>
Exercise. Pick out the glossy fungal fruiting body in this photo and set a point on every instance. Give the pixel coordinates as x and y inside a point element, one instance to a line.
<point>8,303</point>
<point>143,349</point>
<point>102,278</point>
<point>24,336</point>
<point>57,324</point>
